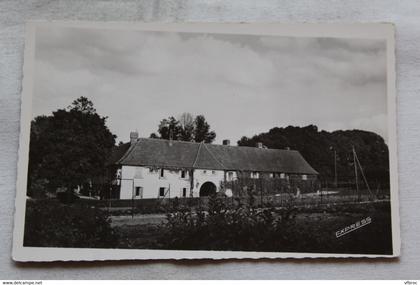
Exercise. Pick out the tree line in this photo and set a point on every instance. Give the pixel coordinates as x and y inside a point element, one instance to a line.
<point>186,128</point>
<point>323,149</point>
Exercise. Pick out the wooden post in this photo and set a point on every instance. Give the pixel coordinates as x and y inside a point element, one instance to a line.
<point>355,173</point>
<point>335,169</point>
<point>321,190</point>
<point>191,182</point>
<point>363,174</point>
<point>132,200</point>
<point>109,198</point>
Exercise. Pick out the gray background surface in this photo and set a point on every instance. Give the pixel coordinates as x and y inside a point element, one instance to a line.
<point>405,15</point>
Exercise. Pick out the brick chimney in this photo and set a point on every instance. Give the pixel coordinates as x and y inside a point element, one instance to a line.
<point>226,142</point>
<point>133,137</point>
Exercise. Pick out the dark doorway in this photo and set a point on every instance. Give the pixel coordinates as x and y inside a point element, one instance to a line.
<point>207,189</point>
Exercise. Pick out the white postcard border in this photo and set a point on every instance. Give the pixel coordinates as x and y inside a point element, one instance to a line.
<point>369,31</point>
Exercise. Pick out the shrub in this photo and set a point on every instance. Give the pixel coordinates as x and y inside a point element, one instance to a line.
<point>52,224</point>
<point>241,227</point>
<point>286,229</point>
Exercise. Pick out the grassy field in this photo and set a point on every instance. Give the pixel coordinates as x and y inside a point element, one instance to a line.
<point>311,230</point>
<point>219,226</point>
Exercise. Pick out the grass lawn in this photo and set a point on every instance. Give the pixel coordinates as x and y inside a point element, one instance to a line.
<point>312,230</point>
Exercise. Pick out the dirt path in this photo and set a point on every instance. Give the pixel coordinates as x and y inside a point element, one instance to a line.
<point>138,220</point>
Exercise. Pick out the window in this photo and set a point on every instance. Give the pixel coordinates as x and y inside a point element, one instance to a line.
<point>272,175</point>
<point>213,172</point>
<point>162,172</point>
<point>184,192</point>
<point>254,174</point>
<point>151,170</point>
<point>162,192</point>
<point>204,171</point>
<point>230,175</point>
<point>139,191</point>
<point>304,177</point>
<point>183,173</point>
<point>282,175</point>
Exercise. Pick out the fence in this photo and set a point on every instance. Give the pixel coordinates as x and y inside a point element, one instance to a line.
<point>272,186</point>
<point>151,206</point>
<point>261,192</point>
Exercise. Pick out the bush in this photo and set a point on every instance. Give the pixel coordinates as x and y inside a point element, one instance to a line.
<point>241,227</point>
<point>288,229</point>
<point>52,224</point>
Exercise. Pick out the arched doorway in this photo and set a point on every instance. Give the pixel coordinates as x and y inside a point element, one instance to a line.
<point>207,189</point>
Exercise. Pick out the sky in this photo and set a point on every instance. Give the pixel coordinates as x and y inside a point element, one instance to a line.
<point>243,84</point>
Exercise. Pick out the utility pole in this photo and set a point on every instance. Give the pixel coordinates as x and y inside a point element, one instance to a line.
<point>132,201</point>
<point>355,173</point>
<point>335,166</point>
<point>335,169</point>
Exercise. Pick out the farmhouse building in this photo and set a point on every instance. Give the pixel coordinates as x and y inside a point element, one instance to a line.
<point>157,168</point>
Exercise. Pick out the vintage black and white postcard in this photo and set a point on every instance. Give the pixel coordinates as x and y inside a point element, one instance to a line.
<point>173,141</point>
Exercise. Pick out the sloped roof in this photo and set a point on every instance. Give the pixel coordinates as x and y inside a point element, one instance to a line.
<point>191,155</point>
<point>117,153</point>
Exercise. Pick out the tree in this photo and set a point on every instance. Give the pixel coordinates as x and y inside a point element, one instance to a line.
<point>186,120</point>
<point>169,128</point>
<point>202,130</point>
<point>69,148</point>
<point>186,128</point>
<point>82,104</point>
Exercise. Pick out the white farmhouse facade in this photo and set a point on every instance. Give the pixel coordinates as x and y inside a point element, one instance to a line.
<point>156,168</point>
<point>143,182</point>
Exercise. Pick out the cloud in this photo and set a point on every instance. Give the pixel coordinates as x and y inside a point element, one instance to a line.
<point>243,84</point>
